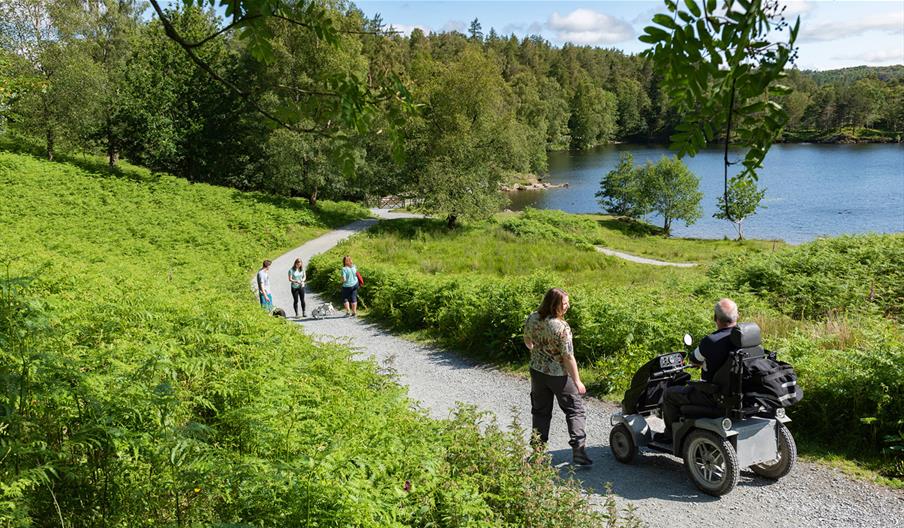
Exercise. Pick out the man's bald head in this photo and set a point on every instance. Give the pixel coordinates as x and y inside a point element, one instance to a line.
<point>726,313</point>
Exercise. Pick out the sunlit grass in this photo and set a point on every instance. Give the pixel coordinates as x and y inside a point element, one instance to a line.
<point>470,288</point>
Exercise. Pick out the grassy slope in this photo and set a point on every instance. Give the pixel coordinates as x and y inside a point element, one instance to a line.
<point>140,380</point>
<point>642,239</point>
<point>472,287</point>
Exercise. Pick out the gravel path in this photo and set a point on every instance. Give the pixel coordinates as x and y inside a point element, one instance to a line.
<point>812,496</point>
<point>642,260</point>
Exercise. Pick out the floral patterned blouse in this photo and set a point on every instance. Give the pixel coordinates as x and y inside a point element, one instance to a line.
<point>552,344</point>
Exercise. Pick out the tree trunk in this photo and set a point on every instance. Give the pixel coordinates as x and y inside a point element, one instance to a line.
<point>112,156</point>
<point>740,230</point>
<point>451,221</point>
<point>112,152</point>
<point>50,138</point>
<point>312,198</point>
<point>667,226</point>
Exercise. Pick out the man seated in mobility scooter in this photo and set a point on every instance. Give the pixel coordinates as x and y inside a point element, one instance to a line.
<point>733,418</point>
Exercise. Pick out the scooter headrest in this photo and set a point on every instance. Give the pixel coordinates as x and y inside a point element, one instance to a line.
<point>746,335</point>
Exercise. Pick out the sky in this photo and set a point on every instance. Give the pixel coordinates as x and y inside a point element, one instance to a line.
<point>833,33</point>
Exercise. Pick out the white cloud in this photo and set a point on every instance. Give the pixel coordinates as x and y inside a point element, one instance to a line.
<point>534,28</point>
<point>585,26</point>
<point>879,56</point>
<point>454,25</point>
<point>406,30</point>
<point>645,17</point>
<point>892,23</point>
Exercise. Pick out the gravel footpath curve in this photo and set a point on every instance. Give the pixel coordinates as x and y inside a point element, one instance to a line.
<point>812,495</point>
<point>642,260</point>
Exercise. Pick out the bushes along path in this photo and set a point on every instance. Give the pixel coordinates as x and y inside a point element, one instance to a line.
<point>812,496</point>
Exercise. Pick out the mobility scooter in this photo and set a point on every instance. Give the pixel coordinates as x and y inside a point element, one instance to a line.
<point>744,429</point>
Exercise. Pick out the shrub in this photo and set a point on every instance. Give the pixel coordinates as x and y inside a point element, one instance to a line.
<point>140,383</point>
<point>814,279</point>
<point>485,316</point>
<point>853,396</point>
<point>547,224</point>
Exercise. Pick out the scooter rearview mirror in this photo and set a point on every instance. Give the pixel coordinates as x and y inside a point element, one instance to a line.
<point>687,340</point>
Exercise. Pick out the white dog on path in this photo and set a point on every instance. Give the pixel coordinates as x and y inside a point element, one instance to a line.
<point>323,310</point>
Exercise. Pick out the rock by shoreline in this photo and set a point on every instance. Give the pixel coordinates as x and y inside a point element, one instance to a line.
<point>534,186</point>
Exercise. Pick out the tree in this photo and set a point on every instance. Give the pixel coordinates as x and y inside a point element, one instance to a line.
<point>894,110</point>
<point>175,119</point>
<point>471,132</point>
<point>558,114</point>
<point>11,88</point>
<point>295,164</point>
<point>633,107</point>
<point>621,190</point>
<point>672,191</point>
<point>532,111</point>
<point>336,104</point>
<point>109,28</point>
<point>593,115</point>
<point>743,198</point>
<point>62,98</point>
<point>474,30</point>
<point>721,72</point>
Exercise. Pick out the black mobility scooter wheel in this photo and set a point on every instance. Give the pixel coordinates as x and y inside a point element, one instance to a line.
<point>711,462</point>
<point>787,456</point>
<point>621,441</point>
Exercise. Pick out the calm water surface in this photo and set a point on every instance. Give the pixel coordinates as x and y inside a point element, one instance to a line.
<point>811,190</point>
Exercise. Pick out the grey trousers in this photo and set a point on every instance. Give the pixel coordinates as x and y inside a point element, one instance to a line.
<point>543,388</point>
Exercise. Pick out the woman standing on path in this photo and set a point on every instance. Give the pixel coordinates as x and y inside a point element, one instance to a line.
<point>297,279</point>
<point>554,372</point>
<point>263,286</point>
<point>349,286</point>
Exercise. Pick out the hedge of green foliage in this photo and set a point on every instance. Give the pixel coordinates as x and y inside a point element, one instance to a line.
<point>141,384</point>
<point>829,274</point>
<point>546,224</point>
<point>614,329</point>
<point>853,392</point>
<point>851,366</point>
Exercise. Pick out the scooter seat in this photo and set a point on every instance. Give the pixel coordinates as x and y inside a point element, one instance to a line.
<point>700,411</point>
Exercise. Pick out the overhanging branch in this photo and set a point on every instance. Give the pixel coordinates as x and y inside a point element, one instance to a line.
<point>189,49</point>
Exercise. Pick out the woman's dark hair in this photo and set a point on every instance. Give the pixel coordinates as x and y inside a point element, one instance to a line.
<point>553,305</point>
<point>297,262</point>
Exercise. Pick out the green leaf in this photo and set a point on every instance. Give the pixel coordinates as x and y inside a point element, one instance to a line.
<point>752,108</point>
<point>735,16</point>
<point>657,33</point>
<point>692,7</point>
<point>780,89</point>
<point>665,21</point>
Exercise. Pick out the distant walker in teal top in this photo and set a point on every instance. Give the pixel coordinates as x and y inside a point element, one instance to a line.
<point>297,279</point>
<point>349,286</point>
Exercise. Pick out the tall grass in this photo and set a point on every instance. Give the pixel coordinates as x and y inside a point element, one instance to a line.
<point>140,384</point>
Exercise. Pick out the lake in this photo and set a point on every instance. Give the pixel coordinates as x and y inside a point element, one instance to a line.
<point>811,190</point>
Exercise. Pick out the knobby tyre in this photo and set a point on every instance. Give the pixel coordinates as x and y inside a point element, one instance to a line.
<point>711,462</point>
<point>787,456</point>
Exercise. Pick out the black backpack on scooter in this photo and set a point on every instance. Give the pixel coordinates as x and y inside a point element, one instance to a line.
<point>766,380</point>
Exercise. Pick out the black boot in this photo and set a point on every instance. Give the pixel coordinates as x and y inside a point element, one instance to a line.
<point>579,457</point>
